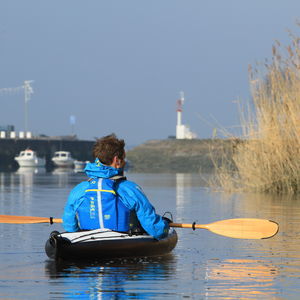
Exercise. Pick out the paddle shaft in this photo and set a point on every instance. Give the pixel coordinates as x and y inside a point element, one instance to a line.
<point>193,225</point>
<point>242,228</point>
<point>8,219</point>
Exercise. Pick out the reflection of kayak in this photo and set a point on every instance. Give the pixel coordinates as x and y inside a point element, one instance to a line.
<point>102,244</point>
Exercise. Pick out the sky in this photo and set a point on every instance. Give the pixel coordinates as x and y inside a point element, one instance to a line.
<point>120,65</point>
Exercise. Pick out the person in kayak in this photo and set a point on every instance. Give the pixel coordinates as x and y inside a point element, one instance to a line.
<point>108,200</point>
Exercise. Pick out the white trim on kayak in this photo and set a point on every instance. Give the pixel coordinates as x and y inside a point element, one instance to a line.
<point>102,234</point>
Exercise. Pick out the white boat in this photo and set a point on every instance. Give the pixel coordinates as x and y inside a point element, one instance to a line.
<point>63,159</point>
<point>80,165</point>
<point>28,158</point>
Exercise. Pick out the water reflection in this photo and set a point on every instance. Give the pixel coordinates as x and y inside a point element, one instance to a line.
<point>204,265</point>
<point>2,181</point>
<point>30,170</point>
<point>26,175</point>
<point>63,175</point>
<point>113,279</point>
<point>62,171</point>
<point>276,258</point>
<point>21,191</point>
<point>285,246</point>
<point>191,191</point>
<point>240,279</point>
<point>183,184</point>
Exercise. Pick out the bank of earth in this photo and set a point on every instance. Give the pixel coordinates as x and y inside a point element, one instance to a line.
<point>178,156</point>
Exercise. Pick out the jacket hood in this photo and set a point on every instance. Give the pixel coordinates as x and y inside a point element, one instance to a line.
<point>98,170</point>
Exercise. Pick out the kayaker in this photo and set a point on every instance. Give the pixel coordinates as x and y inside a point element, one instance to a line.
<point>108,200</point>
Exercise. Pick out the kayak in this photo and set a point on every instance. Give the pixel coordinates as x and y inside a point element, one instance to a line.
<point>104,244</point>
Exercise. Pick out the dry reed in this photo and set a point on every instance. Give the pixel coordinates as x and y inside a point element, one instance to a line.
<point>267,158</point>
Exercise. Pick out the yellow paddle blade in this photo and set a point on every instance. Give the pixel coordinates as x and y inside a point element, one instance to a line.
<point>27,220</point>
<point>243,228</point>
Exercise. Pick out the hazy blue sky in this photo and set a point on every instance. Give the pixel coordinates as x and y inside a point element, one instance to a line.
<point>119,65</point>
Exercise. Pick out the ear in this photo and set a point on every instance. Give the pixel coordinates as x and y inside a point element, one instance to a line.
<point>115,162</point>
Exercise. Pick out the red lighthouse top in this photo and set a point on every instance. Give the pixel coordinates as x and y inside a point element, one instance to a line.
<point>179,105</point>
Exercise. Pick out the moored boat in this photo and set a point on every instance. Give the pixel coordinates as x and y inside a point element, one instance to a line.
<point>104,243</point>
<point>80,165</point>
<point>63,159</point>
<point>29,158</point>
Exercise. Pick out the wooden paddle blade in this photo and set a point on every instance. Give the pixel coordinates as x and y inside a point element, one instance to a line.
<point>244,228</point>
<point>8,219</point>
<point>238,228</point>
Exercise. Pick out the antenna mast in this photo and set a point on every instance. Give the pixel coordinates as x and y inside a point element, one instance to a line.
<point>28,90</point>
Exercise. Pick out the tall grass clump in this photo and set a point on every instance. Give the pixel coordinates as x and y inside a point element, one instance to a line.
<point>266,158</point>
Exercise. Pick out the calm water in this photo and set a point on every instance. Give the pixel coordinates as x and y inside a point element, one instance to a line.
<point>202,266</point>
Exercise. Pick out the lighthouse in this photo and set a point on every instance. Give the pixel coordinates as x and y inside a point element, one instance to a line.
<point>182,131</point>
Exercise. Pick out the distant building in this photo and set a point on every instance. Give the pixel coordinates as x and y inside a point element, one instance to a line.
<point>6,130</point>
<point>182,131</point>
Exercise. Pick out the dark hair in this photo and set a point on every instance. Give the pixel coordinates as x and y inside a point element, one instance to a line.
<point>107,147</point>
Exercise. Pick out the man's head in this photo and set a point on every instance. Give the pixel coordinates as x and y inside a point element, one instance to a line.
<point>110,151</point>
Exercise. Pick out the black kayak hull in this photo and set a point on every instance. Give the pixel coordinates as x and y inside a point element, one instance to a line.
<point>92,245</point>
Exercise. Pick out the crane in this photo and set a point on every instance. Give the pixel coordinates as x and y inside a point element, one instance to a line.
<point>28,91</point>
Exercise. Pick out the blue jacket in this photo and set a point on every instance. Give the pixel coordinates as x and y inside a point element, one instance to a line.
<point>102,208</point>
<point>128,192</point>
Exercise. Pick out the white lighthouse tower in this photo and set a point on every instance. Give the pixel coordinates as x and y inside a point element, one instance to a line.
<point>182,131</point>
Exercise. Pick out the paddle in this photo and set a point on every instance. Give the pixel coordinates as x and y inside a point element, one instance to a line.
<point>8,219</point>
<point>238,228</point>
<point>234,228</point>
